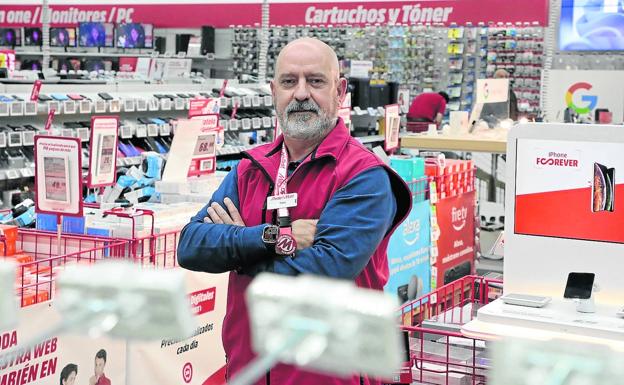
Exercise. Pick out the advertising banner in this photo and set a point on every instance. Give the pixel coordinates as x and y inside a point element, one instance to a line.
<point>457,237</point>
<point>223,14</point>
<point>584,91</point>
<point>569,189</point>
<point>103,151</point>
<point>75,359</point>
<point>408,255</point>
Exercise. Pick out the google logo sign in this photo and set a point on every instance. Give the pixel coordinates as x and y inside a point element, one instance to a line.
<point>592,100</point>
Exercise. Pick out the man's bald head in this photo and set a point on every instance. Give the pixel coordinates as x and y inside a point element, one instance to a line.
<point>322,51</point>
<point>501,74</point>
<point>307,89</point>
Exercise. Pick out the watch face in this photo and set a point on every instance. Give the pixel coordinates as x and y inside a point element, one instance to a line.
<point>270,233</point>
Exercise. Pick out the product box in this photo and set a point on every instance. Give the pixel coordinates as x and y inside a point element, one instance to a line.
<point>10,234</point>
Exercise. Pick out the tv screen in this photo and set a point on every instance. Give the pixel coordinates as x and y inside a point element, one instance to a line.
<point>134,35</point>
<point>591,25</point>
<point>95,35</point>
<point>32,37</point>
<point>62,37</point>
<point>10,37</point>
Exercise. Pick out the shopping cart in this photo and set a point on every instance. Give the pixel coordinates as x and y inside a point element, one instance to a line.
<point>438,352</point>
<point>41,255</point>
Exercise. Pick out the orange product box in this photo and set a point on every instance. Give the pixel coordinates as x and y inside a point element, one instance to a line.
<point>22,258</point>
<point>30,297</point>
<point>10,235</point>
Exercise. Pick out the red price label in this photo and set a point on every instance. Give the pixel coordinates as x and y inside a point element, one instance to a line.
<point>34,94</point>
<point>223,88</point>
<point>48,123</point>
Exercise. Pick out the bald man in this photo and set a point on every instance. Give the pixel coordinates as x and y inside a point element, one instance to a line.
<point>347,205</point>
<point>493,112</point>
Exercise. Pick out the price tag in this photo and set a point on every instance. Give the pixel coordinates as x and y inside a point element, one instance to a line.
<point>12,174</point>
<point>224,102</point>
<point>179,103</point>
<point>30,108</point>
<point>266,122</point>
<point>141,131</point>
<point>28,138</point>
<point>234,124</point>
<point>27,172</point>
<point>165,104</point>
<point>246,101</point>
<point>236,101</point>
<point>225,124</point>
<point>51,106</point>
<point>17,108</point>
<point>115,105</point>
<point>83,134</point>
<point>255,101</point>
<point>4,109</point>
<point>256,123</point>
<point>154,104</point>
<point>85,106</point>
<point>206,164</point>
<point>69,107</point>
<point>152,130</point>
<point>246,124</point>
<point>69,133</point>
<point>141,105</point>
<point>126,132</point>
<point>3,139</point>
<point>121,162</point>
<point>165,129</point>
<point>100,106</point>
<point>128,105</point>
<point>268,101</point>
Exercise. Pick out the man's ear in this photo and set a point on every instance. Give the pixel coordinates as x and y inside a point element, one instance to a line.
<point>342,90</point>
<point>272,83</point>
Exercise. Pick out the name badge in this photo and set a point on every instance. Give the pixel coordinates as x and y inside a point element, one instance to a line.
<point>282,201</point>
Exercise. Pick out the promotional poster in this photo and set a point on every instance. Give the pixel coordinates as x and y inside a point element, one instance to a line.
<point>568,189</point>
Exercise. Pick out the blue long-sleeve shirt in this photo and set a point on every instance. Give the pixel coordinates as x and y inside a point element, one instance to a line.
<point>351,226</point>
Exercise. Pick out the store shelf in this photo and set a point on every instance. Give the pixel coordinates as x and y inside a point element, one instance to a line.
<point>454,143</point>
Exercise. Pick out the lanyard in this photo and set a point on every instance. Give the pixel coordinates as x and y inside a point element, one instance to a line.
<point>281,180</point>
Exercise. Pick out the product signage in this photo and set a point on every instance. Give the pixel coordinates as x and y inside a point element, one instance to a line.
<point>223,14</point>
<point>103,151</point>
<point>193,149</point>
<point>582,92</point>
<point>456,243</point>
<point>58,178</point>
<point>408,255</point>
<point>492,90</point>
<point>569,189</point>
<point>393,121</point>
<point>203,106</point>
<point>34,94</point>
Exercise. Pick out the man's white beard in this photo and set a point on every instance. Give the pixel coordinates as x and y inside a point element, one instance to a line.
<point>312,125</point>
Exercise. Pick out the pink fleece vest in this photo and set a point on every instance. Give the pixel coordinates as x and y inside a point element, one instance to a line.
<point>331,166</point>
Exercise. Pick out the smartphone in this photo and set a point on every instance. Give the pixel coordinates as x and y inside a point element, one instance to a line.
<point>17,98</point>
<point>4,98</point>
<point>144,120</point>
<point>75,97</point>
<point>59,97</point>
<point>579,286</point>
<point>185,96</point>
<point>105,96</point>
<point>525,300</point>
<point>44,98</point>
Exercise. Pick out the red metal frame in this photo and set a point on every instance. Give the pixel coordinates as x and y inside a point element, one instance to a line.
<point>444,302</point>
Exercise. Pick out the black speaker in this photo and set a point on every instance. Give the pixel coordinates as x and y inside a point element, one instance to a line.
<point>360,92</point>
<point>207,40</point>
<point>160,44</point>
<point>182,42</point>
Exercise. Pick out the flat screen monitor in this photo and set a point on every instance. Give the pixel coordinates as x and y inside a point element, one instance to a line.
<point>32,37</point>
<point>95,35</point>
<point>591,25</point>
<point>134,35</point>
<point>62,37</point>
<point>10,37</point>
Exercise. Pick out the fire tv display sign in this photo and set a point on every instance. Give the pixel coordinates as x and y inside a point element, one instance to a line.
<point>568,189</point>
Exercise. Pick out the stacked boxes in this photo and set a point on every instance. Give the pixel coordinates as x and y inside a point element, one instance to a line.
<point>453,177</point>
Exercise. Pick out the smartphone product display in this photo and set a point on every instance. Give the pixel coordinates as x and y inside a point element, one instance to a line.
<point>603,188</point>
<point>105,96</point>
<point>56,185</point>
<point>525,300</point>
<point>579,286</point>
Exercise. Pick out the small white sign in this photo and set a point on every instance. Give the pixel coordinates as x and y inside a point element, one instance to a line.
<point>69,107</point>
<point>30,108</point>
<point>100,106</point>
<point>282,201</point>
<point>141,131</point>
<point>361,68</point>
<point>152,130</point>
<point>141,105</point>
<point>85,106</point>
<point>129,105</point>
<point>17,108</point>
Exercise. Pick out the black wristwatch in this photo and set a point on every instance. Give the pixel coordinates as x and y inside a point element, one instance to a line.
<point>270,234</point>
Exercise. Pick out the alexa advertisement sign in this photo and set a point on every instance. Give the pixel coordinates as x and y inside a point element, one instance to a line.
<point>223,14</point>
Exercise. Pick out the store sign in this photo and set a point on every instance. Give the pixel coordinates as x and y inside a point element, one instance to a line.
<point>58,178</point>
<point>223,14</point>
<point>583,92</point>
<point>103,151</point>
<point>393,121</point>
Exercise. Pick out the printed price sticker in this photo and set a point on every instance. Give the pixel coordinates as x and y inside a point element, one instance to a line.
<point>17,108</point>
<point>129,105</point>
<point>69,107</point>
